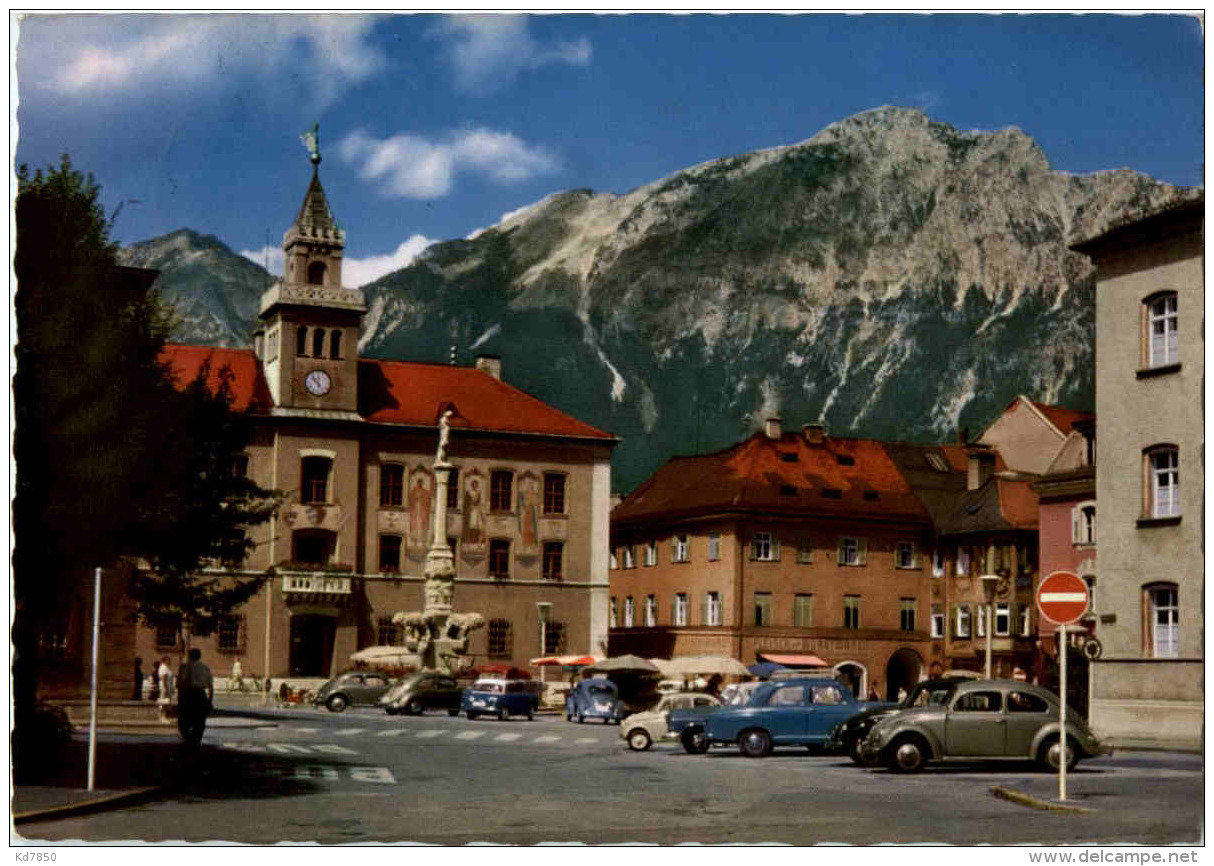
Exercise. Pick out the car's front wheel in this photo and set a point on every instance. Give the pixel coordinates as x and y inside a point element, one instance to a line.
<point>413,708</point>
<point>503,713</point>
<point>754,743</point>
<point>472,715</point>
<point>908,755</point>
<point>453,712</point>
<point>857,755</point>
<point>1050,754</point>
<point>639,740</point>
<point>337,703</point>
<point>694,741</point>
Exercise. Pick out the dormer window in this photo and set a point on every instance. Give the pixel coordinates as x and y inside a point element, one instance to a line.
<point>316,274</point>
<point>936,462</point>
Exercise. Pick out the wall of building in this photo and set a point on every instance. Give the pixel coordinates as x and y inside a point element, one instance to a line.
<point>1024,440</point>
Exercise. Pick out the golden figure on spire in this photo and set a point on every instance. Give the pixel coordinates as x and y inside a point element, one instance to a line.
<point>311,140</point>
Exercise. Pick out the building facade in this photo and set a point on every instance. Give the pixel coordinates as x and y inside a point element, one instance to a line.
<point>1150,487</point>
<point>351,442</point>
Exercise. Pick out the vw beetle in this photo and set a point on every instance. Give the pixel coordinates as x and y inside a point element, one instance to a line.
<point>595,698</point>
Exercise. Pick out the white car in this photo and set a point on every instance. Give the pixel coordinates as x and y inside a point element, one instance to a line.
<point>640,729</point>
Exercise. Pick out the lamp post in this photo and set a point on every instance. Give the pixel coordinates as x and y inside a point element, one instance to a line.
<point>544,608</point>
<point>989,583</point>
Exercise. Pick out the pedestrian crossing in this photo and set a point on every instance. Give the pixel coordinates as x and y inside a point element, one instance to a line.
<point>427,734</point>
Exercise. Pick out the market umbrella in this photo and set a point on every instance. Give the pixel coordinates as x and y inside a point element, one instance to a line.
<point>708,665</point>
<point>384,655</point>
<point>664,667</point>
<point>622,664</point>
<point>564,661</point>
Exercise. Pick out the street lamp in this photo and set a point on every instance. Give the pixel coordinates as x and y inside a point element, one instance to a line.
<point>544,609</point>
<point>989,583</point>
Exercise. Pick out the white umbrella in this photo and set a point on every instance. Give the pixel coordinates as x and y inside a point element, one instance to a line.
<point>622,664</point>
<point>708,665</point>
<point>384,655</point>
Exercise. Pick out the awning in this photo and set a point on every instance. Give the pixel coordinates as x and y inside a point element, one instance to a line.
<point>793,661</point>
<point>564,661</point>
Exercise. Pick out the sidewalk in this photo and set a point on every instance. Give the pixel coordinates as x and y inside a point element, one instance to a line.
<point>134,763</point>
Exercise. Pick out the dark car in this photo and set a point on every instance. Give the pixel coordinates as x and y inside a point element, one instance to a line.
<point>594,699</point>
<point>982,720</point>
<point>848,736</point>
<point>360,688</point>
<point>795,712</point>
<point>423,691</point>
<point>502,698</point>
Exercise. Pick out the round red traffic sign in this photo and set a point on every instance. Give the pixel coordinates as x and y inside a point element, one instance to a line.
<point>1062,597</point>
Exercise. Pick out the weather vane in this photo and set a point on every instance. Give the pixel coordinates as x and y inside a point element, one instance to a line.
<point>311,140</point>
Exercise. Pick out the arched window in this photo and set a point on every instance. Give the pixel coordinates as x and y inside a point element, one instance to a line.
<point>1161,334</point>
<point>318,343</point>
<point>316,274</point>
<point>301,341</point>
<point>335,344</point>
<point>1161,620</point>
<point>1161,490</point>
<point>1083,523</point>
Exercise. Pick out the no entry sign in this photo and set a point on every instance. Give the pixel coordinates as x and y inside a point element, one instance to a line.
<point>1062,597</point>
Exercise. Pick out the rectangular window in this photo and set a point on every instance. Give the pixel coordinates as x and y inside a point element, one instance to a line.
<point>613,613</point>
<point>240,466</point>
<point>499,559</point>
<point>762,547</point>
<point>907,618</point>
<point>805,551</point>
<point>1083,523</point>
<point>389,554</point>
<point>391,485</point>
<point>614,564</point>
<point>938,563</point>
<point>851,611</point>
<point>500,639</point>
<point>630,557</point>
<point>1164,620</point>
<point>680,608</point>
<point>904,555</point>
<point>1025,623</point>
<point>554,638</point>
<point>388,633</point>
<point>453,489</point>
<point>852,551</point>
<point>961,627</point>
<point>937,621</point>
<point>680,549</point>
<point>714,546</point>
<point>1003,619</point>
<point>651,553</point>
<point>166,635</point>
<point>712,609</point>
<point>501,490</point>
<point>231,633</point>
<point>554,493</point>
<point>1165,483</point>
<point>553,553</point>
<point>963,561</point>
<point>1165,335</point>
<point>762,608</point>
<point>803,610</point>
<point>314,480</point>
<point>630,612</point>
<point>980,619</point>
<point>311,547</point>
<point>651,611</point>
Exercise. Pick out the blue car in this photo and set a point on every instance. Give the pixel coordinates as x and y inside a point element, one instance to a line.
<point>794,712</point>
<point>594,699</point>
<point>501,698</point>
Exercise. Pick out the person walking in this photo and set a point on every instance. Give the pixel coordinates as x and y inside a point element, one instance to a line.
<point>164,682</point>
<point>196,691</point>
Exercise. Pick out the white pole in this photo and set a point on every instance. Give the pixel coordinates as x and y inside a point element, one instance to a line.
<point>265,694</point>
<point>1062,710</point>
<point>93,696</point>
<point>986,614</point>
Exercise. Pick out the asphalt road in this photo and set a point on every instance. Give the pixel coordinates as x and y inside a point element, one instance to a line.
<point>363,776</point>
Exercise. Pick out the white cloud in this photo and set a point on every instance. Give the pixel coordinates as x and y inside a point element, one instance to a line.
<point>355,273</point>
<point>412,167</point>
<point>108,54</point>
<point>489,51</point>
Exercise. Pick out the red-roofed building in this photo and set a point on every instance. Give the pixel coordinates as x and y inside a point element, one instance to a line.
<point>788,543</point>
<point>352,441</point>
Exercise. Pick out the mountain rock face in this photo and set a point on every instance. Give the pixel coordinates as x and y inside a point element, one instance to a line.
<point>890,277</point>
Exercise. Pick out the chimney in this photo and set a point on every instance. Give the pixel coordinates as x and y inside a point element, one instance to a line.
<point>814,433</point>
<point>979,465</point>
<point>771,428</point>
<point>491,364</point>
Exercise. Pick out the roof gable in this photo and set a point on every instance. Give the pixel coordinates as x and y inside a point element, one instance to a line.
<point>250,393</point>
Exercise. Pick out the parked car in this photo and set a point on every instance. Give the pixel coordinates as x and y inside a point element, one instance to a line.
<point>798,712</point>
<point>352,687</point>
<point>501,698</point>
<point>687,725</point>
<point>641,729</point>
<point>848,736</point>
<point>595,698</point>
<point>981,720</point>
<point>738,694</point>
<point>423,691</point>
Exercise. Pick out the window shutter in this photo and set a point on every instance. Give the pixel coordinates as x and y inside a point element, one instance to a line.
<point>751,545</point>
<point>674,548</point>
<point>839,560</point>
<point>862,551</point>
<point>673,605</point>
<point>914,555</point>
<point>775,547</point>
<point>704,609</point>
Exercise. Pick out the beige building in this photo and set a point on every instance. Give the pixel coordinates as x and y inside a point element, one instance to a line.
<point>1150,476</point>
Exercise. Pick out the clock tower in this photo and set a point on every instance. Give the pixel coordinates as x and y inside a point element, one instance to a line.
<point>308,338</point>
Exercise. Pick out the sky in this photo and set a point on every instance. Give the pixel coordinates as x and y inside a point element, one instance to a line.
<point>433,127</point>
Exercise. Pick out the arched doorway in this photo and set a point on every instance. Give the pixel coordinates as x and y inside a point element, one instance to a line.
<point>854,675</point>
<point>904,669</point>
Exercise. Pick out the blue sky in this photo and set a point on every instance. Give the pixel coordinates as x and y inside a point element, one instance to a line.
<point>433,127</point>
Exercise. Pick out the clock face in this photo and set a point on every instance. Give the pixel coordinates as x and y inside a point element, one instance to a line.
<point>318,383</point>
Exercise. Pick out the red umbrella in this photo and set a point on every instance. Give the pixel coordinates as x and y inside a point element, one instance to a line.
<point>564,661</point>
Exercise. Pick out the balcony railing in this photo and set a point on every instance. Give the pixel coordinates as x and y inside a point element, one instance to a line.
<point>316,584</point>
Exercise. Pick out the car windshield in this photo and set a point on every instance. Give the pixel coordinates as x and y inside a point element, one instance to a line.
<point>488,686</point>
<point>600,691</point>
<point>930,695</point>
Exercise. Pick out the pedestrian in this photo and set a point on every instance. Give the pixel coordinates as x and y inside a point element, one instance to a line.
<point>237,682</point>
<point>873,693</point>
<point>901,695</point>
<point>137,688</point>
<point>196,691</point>
<point>164,682</point>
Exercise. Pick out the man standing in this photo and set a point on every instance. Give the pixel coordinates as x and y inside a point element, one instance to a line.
<point>195,691</point>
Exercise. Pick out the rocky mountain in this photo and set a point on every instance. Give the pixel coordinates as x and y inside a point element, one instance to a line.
<point>891,276</point>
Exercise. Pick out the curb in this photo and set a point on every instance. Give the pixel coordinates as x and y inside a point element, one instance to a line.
<point>1023,799</point>
<point>97,804</point>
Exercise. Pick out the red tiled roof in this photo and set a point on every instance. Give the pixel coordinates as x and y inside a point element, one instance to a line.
<point>249,390</point>
<point>400,392</point>
<point>1062,418</point>
<point>754,476</point>
<point>1018,503</point>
